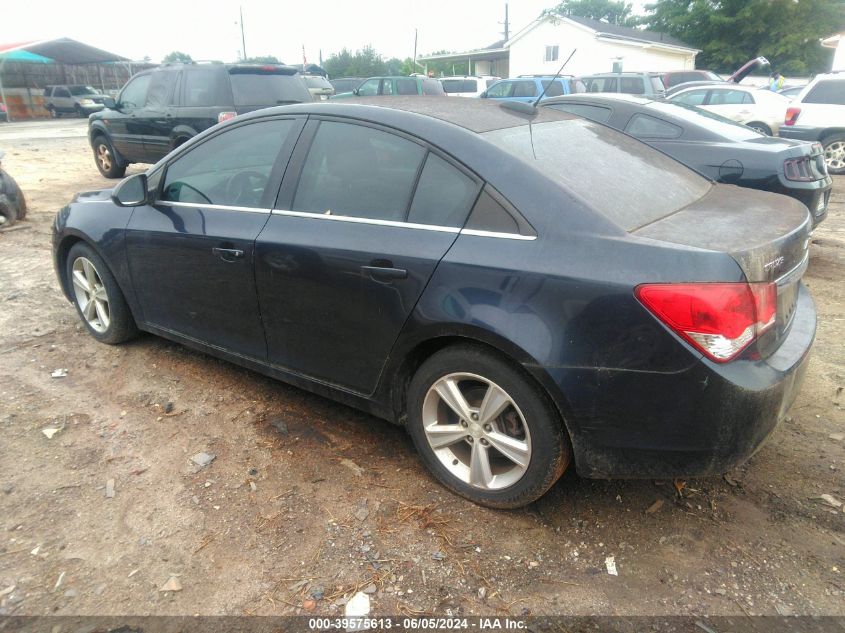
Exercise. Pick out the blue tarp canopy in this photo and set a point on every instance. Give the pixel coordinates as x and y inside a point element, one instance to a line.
<point>59,51</point>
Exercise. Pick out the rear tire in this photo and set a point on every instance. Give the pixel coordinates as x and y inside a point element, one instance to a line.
<point>105,158</point>
<point>834,153</point>
<point>506,449</point>
<point>97,296</point>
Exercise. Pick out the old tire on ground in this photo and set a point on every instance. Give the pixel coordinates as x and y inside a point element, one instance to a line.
<point>105,158</point>
<point>97,297</point>
<point>484,429</point>
<point>12,201</point>
<point>834,153</point>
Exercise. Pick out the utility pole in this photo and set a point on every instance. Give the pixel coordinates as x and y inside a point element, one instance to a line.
<point>243,37</point>
<point>506,23</point>
<point>415,51</point>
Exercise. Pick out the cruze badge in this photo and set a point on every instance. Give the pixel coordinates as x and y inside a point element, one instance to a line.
<point>774,263</point>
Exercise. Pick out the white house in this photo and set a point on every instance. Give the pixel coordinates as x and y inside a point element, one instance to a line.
<point>542,46</point>
<point>836,42</point>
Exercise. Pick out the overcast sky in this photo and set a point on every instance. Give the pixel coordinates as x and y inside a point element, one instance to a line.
<point>207,30</point>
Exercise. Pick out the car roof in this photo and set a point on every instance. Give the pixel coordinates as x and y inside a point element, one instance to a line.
<point>623,74</point>
<point>605,97</point>
<point>475,115</point>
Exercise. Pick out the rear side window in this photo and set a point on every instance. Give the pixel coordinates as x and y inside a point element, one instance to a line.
<point>592,112</point>
<point>406,87</point>
<point>201,88</point>
<point>524,89</point>
<point>647,185</point>
<point>358,171</point>
<point>456,86</point>
<point>444,194</point>
<point>233,168</point>
<point>267,89</point>
<point>134,94</point>
<point>830,91</point>
<point>645,126</point>
<point>61,92</point>
<point>657,84</point>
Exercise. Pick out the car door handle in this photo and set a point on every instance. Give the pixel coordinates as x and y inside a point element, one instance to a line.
<point>227,254</point>
<point>385,272</point>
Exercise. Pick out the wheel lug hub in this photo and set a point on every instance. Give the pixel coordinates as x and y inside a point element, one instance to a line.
<point>484,442</point>
<point>469,439</point>
<point>474,416</point>
<point>464,423</point>
<point>488,428</point>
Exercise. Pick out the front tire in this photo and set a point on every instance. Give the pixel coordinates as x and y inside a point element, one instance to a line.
<point>484,429</point>
<point>106,159</point>
<point>97,297</point>
<point>834,153</point>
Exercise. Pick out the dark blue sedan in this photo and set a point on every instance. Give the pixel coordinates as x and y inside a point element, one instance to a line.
<point>520,288</point>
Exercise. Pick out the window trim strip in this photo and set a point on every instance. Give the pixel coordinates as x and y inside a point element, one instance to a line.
<point>405,225</point>
<point>218,207</point>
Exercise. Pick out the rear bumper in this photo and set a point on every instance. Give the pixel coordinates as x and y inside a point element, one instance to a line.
<point>815,195</point>
<point>800,133</point>
<point>703,420</point>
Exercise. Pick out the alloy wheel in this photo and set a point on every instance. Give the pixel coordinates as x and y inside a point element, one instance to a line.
<point>91,295</point>
<point>477,431</point>
<point>834,155</point>
<point>104,156</point>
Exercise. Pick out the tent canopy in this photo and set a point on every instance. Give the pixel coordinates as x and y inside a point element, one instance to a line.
<point>61,51</point>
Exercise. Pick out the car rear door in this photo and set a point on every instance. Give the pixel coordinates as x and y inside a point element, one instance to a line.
<point>362,220</point>
<point>126,130</point>
<point>156,116</point>
<point>736,105</point>
<point>62,101</point>
<point>191,252</point>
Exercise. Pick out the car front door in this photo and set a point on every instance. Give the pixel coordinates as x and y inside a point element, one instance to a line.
<point>191,251</point>
<point>736,105</point>
<point>363,218</point>
<point>125,129</point>
<point>369,88</point>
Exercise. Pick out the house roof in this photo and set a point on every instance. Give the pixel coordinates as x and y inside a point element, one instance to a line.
<point>63,51</point>
<point>626,32</point>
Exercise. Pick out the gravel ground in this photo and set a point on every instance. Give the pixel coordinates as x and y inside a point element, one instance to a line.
<point>307,501</point>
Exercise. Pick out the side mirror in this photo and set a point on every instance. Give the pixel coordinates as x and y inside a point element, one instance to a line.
<point>110,103</point>
<point>131,192</point>
<point>355,91</point>
<point>483,95</point>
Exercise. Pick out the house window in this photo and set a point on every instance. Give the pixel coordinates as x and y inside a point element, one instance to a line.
<point>551,53</point>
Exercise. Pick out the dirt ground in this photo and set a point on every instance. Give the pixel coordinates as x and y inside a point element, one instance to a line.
<point>307,500</point>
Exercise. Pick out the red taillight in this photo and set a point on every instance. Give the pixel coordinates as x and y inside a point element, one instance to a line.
<point>798,169</point>
<point>225,116</point>
<point>2,107</point>
<point>791,116</point>
<point>720,319</point>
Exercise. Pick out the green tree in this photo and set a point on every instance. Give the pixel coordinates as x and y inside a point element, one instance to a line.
<point>362,63</point>
<point>731,32</point>
<point>611,11</point>
<point>177,56</point>
<point>266,59</point>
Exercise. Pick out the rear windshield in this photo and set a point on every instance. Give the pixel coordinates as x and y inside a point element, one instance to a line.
<point>626,180</point>
<point>264,89</point>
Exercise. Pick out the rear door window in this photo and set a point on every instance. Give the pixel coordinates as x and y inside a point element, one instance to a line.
<point>359,171</point>
<point>631,85</point>
<point>553,88</point>
<point>200,88</point>
<point>256,88</point>
<point>232,168</point>
<point>828,91</point>
<point>524,89</point>
<point>501,90</point>
<point>160,92</point>
<point>386,87</point>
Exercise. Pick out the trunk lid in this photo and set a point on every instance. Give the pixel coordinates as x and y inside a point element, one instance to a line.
<point>767,234</point>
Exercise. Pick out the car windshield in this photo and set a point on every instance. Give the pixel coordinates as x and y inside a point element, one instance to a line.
<point>717,124</point>
<point>626,180</point>
<point>78,91</point>
<point>266,89</point>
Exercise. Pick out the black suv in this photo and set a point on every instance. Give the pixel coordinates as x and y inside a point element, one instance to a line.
<point>160,109</point>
